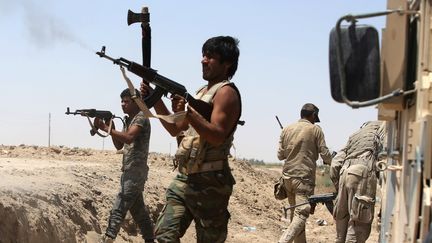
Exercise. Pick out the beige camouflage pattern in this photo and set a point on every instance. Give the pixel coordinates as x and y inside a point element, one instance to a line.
<point>354,174</point>
<point>354,210</point>
<point>300,145</point>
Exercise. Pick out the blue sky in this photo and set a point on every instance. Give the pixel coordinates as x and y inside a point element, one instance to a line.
<point>48,64</point>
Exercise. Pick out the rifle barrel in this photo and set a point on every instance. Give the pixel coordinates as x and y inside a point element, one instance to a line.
<point>280,124</point>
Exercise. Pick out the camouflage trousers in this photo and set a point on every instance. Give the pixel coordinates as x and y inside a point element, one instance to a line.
<point>298,192</point>
<point>130,198</point>
<point>201,197</point>
<point>354,208</point>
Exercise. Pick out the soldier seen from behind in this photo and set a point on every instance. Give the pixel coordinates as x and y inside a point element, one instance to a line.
<point>354,173</point>
<point>299,145</point>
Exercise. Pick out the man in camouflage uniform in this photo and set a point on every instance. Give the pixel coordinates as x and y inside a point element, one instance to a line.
<point>299,145</point>
<point>202,189</point>
<point>134,139</point>
<point>355,177</point>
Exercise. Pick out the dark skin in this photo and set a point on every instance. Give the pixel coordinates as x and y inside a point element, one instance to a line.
<point>226,105</point>
<point>119,138</point>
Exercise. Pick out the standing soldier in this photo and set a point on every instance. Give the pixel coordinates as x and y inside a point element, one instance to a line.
<point>353,171</point>
<point>202,189</point>
<point>299,145</point>
<point>134,139</point>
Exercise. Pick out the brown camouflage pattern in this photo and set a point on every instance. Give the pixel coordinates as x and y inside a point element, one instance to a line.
<point>354,174</point>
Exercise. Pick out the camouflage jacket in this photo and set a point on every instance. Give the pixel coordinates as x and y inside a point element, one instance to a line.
<point>363,146</point>
<point>136,153</point>
<point>299,145</point>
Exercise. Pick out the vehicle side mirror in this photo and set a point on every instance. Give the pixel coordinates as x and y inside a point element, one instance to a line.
<point>359,64</point>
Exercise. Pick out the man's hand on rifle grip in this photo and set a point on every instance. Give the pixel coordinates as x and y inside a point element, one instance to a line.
<point>100,124</point>
<point>145,89</point>
<point>110,121</point>
<point>178,103</point>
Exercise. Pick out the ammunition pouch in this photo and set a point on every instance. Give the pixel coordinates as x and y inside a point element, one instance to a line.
<point>187,150</point>
<point>195,155</point>
<point>190,157</point>
<point>279,190</point>
<point>362,209</point>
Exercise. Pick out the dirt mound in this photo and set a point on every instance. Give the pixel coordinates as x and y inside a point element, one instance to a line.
<point>61,194</point>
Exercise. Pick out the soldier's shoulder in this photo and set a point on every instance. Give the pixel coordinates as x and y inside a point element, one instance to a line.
<point>317,129</point>
<point>291,126</point>
<point>141,120</point>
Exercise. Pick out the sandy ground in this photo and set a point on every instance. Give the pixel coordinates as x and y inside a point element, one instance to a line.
<point>62,194</point>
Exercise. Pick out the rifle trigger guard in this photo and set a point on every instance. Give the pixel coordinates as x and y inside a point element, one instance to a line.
<point>94,129</point>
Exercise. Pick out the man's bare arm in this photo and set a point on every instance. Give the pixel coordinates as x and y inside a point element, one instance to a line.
<point>126,137</point>
<point>119,138</point>
<point>225,114</point>
<point>161,109</point>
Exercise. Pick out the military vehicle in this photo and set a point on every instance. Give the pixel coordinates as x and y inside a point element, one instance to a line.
<point>395,76</point>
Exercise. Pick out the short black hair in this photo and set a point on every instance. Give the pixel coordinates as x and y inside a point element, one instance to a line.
<point>126,93</point>
<point>227,48</point>
<point>305,113</point>
<point>309,109</point>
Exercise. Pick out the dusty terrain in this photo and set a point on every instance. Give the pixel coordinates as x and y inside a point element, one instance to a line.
<point>62,194</point>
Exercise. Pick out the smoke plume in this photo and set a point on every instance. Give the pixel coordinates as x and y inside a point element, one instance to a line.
<point>43,29</point>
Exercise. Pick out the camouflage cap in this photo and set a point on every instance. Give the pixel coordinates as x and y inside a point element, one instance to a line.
<point>311,109</point>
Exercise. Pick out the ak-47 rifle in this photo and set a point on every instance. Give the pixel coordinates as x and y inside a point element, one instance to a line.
<point>92,113</point>
<point>162,83</point>
<point>313,200</point>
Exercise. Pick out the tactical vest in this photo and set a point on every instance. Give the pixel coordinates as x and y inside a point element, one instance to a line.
<point>365,140</point>
<point>364,145</point>
<point>194,154</point>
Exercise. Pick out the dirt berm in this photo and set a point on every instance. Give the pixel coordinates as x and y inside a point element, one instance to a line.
<point>61,194</point>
